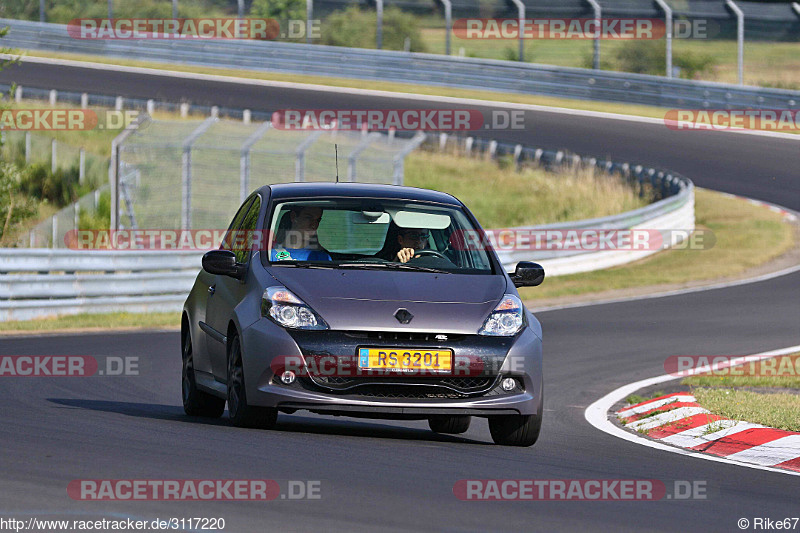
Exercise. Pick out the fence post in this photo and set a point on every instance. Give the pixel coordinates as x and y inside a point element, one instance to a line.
<point>18,94</point>
<point>54,234</point>
<point>309,16</point>
<point>53,156</point>
<point>77,217</point>
<point>110,9</point>
<point>244,160</point>
<point>186,172</point>
<point>174,9</point>
<point>27,147</point>
<point>668,21</point>
<point>448,24</point>
<point>399,158</point>
<point>521,14</point>
<point>739,37</point>
<point>81,166</point>
<point>240,8</point>
<point>379,29</point>
<point>42,14</point>
<point>360,147</point>
<point>300,155</point>
<point>598,14</point>
<point>184,110</point>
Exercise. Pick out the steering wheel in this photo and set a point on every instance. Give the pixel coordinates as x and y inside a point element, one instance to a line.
<point>433,253</point>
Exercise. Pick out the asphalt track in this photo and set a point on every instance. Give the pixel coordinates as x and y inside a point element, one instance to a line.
<point>381,475</point>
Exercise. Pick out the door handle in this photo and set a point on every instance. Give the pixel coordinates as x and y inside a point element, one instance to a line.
<point>212,289</point>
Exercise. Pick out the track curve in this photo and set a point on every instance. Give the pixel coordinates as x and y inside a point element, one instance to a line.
<point>386,475</point>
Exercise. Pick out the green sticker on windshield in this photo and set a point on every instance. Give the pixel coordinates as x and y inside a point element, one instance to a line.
<point>283,254</point>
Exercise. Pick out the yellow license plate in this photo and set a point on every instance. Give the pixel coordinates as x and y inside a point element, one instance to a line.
<point>405,359</point>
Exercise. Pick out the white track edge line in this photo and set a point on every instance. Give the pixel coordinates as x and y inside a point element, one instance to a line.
<point>597,415</point>
<point>375,92</point>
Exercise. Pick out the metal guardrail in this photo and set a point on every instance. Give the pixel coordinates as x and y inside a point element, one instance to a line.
<point>36,283</point>
<point>404,67</point>
<point>673,210</point>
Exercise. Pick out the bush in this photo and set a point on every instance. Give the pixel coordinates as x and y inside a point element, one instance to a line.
<point>59,188</point>
<point>357,29</point>
<point>14,208</point>
<point>100,219</point>
<point>650,57</point>
<point>279,9</point>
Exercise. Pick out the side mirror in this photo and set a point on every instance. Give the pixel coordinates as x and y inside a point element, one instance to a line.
<point>528,274</point>
<point>223,262</point>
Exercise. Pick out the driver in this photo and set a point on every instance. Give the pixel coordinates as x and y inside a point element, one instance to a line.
<point>299,241</point>
<point>411,240</point>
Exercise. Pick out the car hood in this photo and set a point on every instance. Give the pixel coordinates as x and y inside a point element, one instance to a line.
<point>368,299</point>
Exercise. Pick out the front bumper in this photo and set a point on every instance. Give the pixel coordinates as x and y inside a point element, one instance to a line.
<point>264,343</point>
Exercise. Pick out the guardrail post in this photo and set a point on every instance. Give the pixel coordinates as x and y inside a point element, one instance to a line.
<point>84,100</point>
<point>151,106</point>
<point>18,94</point>
<point>118,103</point>
<point>521,15</point>
<point>668,21</point>
<point>215,111</point>
<point>598,14</point>
<point>392,132</point>
<point>492,149</point>
<point>517,153</point>
<point>379,29</point>
<point>246,116</point>
<point>309,16</point>
<point>244,160</point>
<point>53,97</point>
<point>448,24</point>
<point>81,166</point>
<point>442,141</point>
<point>77,216</point>
<point>184,110</point>
<point>53,156</point>
<point>739,37</point>
<point>468,145</point>
<point>27,147</point>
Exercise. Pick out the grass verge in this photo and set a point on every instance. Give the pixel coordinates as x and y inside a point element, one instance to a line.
<point>746,236</point>
<point>776,410</point>
<point>533,196</point>
<point>94,321</point>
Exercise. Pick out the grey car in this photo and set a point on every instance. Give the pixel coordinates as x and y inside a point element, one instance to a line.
<point>373,301</point>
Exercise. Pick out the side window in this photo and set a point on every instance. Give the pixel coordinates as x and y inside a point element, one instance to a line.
<point>248,232</point>
<point>228,241</point>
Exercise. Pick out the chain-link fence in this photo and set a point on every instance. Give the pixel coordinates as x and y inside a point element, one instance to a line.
<point>194,174</point>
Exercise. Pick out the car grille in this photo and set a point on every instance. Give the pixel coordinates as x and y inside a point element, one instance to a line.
<point>458,385</point>
<point>401,336</point>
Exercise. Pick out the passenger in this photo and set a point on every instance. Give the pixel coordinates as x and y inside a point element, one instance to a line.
<point>298,241</point>
<point>410,241</point>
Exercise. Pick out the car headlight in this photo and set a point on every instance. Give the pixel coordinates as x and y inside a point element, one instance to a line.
<point>506,319</point>
<point>282,306</point>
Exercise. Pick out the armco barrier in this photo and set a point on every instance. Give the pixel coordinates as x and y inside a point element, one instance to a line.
<point>404,67</point>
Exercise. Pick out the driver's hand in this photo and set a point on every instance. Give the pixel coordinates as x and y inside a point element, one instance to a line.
<point>405,255</point>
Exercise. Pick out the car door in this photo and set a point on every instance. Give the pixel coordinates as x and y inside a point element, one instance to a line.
<point>228,292</point>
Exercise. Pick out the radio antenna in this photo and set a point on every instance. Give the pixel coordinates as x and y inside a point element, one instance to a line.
<point>336,149</point>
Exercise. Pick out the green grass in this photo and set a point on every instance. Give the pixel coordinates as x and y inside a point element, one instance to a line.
<point>533,196</point>
<point>778,410</point>
<point>776,372</point>
<point>95,321</point>
<point>746,236</point>
<point>633,399</point>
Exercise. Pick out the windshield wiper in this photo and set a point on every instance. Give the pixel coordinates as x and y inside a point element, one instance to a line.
<point>392,266</point>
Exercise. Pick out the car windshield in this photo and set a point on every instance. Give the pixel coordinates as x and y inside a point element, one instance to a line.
<point>374,234</point>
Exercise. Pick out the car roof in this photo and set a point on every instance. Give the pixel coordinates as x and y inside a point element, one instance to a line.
<point>356,190</point>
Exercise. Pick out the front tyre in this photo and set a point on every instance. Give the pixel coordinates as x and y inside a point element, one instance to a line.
<point>240,413</point>
<point>515,430</point>
<point>195,401</point>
